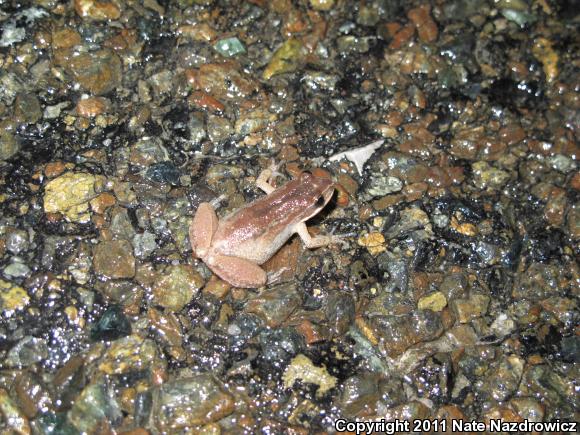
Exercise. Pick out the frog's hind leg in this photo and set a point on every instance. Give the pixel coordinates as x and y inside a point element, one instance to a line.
<point>202,229</point>
<point>238,271</point>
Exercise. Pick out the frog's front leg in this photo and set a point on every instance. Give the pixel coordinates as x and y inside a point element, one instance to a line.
<point>202,229</point>
<point>316,241</point>
<point>265,178</point>
<point>237,271</point>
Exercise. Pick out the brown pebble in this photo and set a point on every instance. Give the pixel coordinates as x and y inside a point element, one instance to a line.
<point>465,228</point>
<point>575,181</point>
<point>415,191</point>
<point>365,211</point>
<point>97,10</point>
<point>293,169</point>
<point>137,431</point>
<point>205,101</point>
<point>310,332</point>
<point>239,294</point>
<point>512,134</point>
<point>53,217</point>
<point>342,196</point>
<point>92,106</point>
<point>99,221</point>
<point>348,183</point>
<point>556,207</point>
<point>426,27</point>
<point>217,288</point>
<point>321,173</point>
<point>125,39</point>
<point>191,76</point>
<point>102,202</point>
<point>159,376</point>
<point>450,412</point>
<point>42,39</point>
<point>288,153</point>
<point>202,32</point>
<point>388,201</point>
<point>54,169</point>
<point>402,37</point>
<point>392,28</point>
<point>65,38</point>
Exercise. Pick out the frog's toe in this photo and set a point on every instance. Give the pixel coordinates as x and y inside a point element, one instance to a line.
<point>238,271</point>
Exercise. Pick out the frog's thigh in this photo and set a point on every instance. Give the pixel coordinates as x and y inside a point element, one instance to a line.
<point>202,228</point>
<point>238,271</point>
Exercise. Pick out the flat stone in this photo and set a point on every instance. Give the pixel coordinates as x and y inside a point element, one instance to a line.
<point>114,259</point>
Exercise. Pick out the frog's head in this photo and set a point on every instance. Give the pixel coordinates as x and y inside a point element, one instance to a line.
<point>316,191</point>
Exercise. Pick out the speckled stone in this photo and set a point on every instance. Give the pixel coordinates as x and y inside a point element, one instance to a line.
<point>176,286</point>
<point>70,194</point>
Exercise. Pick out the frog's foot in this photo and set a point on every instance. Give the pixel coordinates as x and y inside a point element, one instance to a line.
<point>237,271</point>
<point>316,241</point>
<point>216,202</point>
<point>202,228</point>
<point>268,176</point>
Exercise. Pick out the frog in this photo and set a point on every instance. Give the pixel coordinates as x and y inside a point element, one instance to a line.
<point>235,246</point>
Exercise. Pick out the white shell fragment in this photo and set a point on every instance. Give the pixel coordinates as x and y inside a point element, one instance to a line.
<point>358,156</point>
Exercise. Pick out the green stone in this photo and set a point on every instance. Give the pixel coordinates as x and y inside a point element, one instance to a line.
<point>229,47</point>
<point>286,59</point>
<point>112,325</point>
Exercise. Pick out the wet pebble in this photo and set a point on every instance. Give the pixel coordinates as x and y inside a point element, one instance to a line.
<point>434,302</point>
<point>16,421</point>
<point>96,404</point>
<point>176,286</point>
<point>70,194</point>
<point>285,59</point>
<point>27,109</point>
<point>17,241</point>
<point>301,368</point>
<point>467,309</point>
<point>112,325</point>
<point>381,185</point>
<point>488,177</point>
<point>229,47</point>
<point>98,73</point>
<point>97,10</point>
<point>32,394</point>
<point>400,333</point>
<point>114,259</point>
<point>504,381</point>
<point>144,244</point>
<point>191,401</point>
<point>274,305</point>
<point>28,351</point>
<point>9,145</point>
<point>16,269</point>
<point>128,354</point>
<point>12,297</point>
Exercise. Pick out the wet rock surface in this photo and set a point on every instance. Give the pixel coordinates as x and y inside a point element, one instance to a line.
<point>452,128</point>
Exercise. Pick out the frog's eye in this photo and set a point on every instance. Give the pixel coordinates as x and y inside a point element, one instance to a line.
<point>320,201</point>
